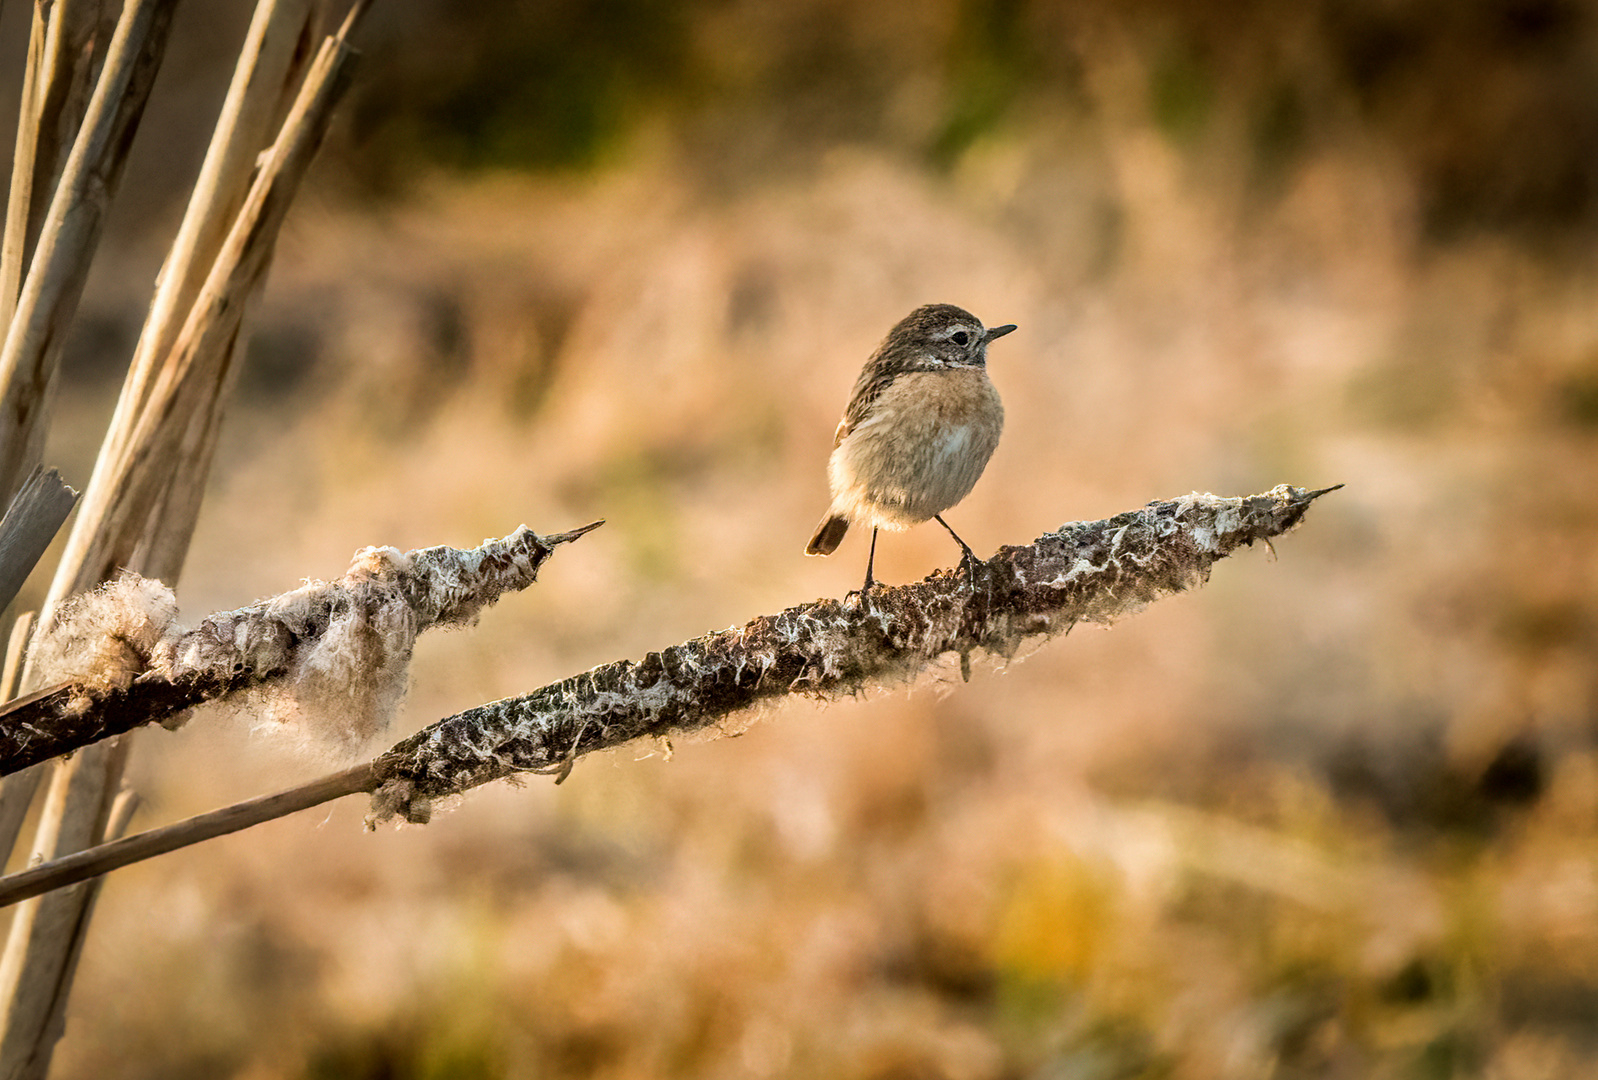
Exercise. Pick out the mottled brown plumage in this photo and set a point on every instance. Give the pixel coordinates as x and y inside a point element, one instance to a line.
<point>919,430</point>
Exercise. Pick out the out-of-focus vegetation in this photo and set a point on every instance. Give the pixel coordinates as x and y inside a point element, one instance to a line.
<point>1489,107</point>
<point>1334,815</point>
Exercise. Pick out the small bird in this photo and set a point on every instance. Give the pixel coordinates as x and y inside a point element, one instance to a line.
<point>919,430</point>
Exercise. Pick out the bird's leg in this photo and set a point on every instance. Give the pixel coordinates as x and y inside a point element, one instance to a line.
<point>870,561</point>
<point>968,560</point>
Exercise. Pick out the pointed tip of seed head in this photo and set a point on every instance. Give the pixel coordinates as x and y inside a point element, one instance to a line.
<point>567,537</point>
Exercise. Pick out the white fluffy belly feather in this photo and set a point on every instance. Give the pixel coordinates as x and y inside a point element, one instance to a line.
<point>921,451</point>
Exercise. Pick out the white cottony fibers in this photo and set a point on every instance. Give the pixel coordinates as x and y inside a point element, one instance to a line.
<point>347,683</point>
<point>327,661</point>
<point>103,640</point>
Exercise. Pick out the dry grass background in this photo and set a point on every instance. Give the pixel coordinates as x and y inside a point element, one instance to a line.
<point>1334,815</point>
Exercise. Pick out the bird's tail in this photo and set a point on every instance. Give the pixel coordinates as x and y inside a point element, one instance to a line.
<point>829,534</point>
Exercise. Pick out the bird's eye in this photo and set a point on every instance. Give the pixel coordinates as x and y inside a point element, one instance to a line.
<point>960,337</point>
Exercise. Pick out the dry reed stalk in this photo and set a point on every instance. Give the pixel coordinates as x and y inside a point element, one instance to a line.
<point>84,865</point>
<point>14,247</point>
<point>275,52</point>
<point>186,350</point>
<point>14,809</point>
<point>69,236</point>
<point>66,41</point>
<point>71,232</point>
<point>11,672</point>
<point>112,824</point>
<point>161,440</point>
<point>1086,571</point>
<point>60,262</point>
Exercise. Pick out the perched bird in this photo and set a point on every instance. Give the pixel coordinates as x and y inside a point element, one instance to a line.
<point>919,430</point>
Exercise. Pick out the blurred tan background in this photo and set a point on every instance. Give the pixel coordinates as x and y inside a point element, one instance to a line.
<point>1334,815</point>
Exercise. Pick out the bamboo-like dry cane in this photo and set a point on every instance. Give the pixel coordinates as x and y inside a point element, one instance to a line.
<point>66,41</point>
<point>14,809</point>
<point>66,246</point>
<point>60,264</point>
<point>275,52</point>
<point>171,393</point>
<point>71,233</point>
<point>128,506</point>
<point>14,246</point>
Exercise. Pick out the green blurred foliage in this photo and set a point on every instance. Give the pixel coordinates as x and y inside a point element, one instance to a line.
<point>408,1051</point>
<point>1182,89</point>
<point>991,61</point>
<point>504,84</point>
<point>1492,104</point>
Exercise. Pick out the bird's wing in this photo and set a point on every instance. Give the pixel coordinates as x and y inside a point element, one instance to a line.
<point>873,381</point>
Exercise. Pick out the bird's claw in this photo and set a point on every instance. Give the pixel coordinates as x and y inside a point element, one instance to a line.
<point>969,563</point>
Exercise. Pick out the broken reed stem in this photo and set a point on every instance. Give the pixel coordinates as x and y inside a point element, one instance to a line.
<point>30,523</point>
<point>1085,571</point>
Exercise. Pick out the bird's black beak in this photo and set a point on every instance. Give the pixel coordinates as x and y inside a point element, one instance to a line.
<point>995,332</point>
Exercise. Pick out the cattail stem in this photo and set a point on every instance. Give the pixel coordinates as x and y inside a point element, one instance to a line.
<point>1085,571</point>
